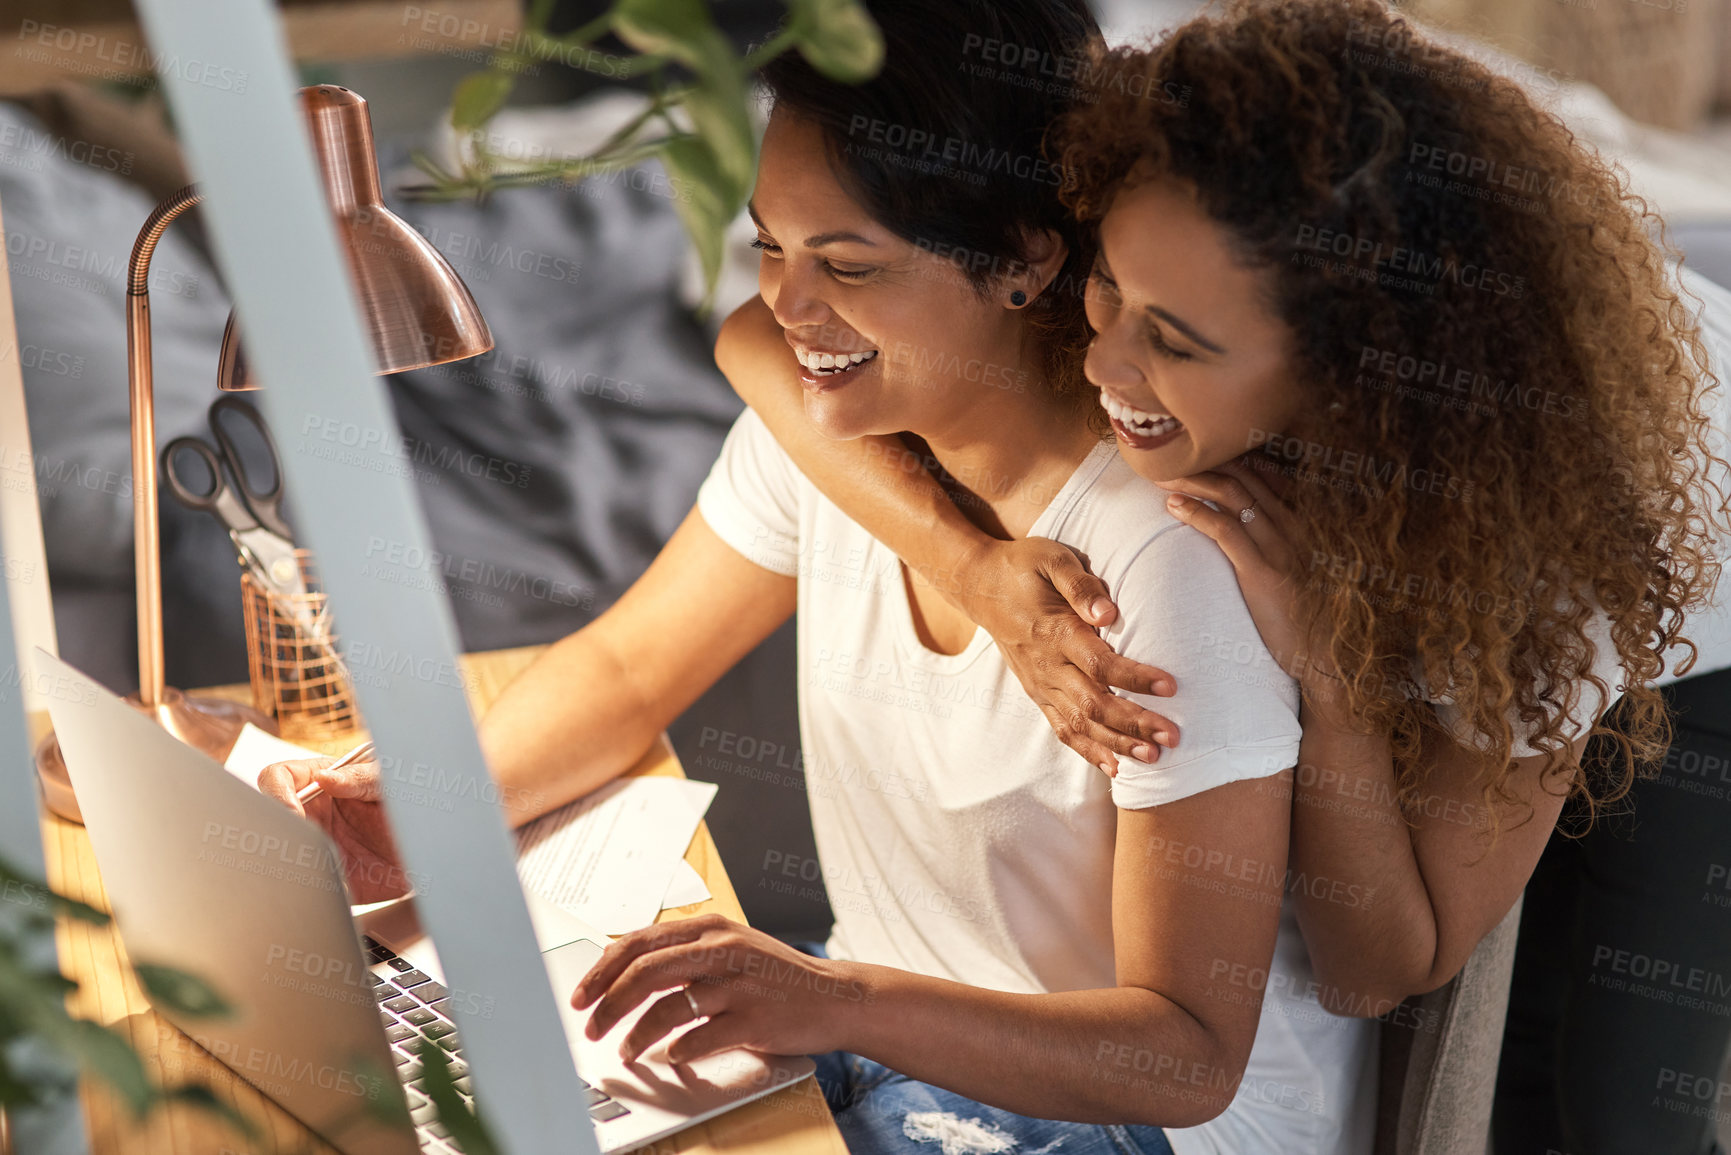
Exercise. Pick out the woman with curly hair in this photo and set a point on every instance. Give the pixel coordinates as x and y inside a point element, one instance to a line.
<point>1025,955</point>
<point>1414,360</point>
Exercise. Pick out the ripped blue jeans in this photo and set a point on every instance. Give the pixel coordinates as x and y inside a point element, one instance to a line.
<point>883,1112</point>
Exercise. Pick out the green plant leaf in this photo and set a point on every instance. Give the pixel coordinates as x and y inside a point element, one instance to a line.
<point>176,990</point>
<point>28,991</point>
<point>201,1096</point>
<point>702,198</point>
<point>717,100</point>
<point>105,1054</point>
<point>467,1130</point>
<point>384,1096</point>
<point>721,116</point>
<point>717,163</point>
<point>33,1006</point>
<point>680,29</point>
<point>32,894</point>
<point>80,911</point>
<point>10,873</point>
<point>16,1091</point>
<point>33,1074</point>
<point>478,97</point>
<point>839,39</point>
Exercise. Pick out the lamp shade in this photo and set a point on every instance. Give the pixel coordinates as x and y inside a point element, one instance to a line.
<point>418,311</point>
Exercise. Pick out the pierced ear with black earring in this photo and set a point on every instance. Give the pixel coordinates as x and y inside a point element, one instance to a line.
<point>1018,299</point>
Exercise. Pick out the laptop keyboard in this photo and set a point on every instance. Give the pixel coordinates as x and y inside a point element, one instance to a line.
<point>412,1006</point>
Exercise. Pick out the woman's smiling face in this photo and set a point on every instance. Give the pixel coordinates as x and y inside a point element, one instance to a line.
<point>1191,365</point>
<point>889,337</point>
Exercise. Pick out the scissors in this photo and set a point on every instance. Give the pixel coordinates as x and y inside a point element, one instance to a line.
<point>253,517</point>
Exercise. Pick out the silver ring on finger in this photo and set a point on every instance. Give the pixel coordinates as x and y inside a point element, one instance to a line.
<point>691,1001</point>
<point>1247,514</point>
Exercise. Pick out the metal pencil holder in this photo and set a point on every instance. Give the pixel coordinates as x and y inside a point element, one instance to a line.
<point>298,676</point>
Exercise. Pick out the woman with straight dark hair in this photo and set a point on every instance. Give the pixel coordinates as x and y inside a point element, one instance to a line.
<point>1026,955</point>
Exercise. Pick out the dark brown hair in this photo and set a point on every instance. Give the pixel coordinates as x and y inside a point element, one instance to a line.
<point>943,147</point>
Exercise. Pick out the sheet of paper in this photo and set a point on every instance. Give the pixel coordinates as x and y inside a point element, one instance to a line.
<point>591,857</point>
<point>686,887</point>
<point>255,749</point>
<point>609,857</point>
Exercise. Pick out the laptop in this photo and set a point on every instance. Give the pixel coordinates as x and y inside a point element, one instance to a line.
<point>205,874</point>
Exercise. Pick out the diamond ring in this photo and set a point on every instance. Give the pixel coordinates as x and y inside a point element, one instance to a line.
<point>1247,514</point>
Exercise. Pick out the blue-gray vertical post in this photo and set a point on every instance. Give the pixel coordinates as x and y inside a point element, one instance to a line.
<point>228,79</point>
<point>57,1126</point>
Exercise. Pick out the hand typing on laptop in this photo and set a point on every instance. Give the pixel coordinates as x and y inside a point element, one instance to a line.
<point>750,989</point>
<point>350,813</point>
<point>236,887</point>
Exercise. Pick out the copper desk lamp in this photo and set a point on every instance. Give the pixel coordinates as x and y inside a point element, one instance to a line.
<point>418,312</point>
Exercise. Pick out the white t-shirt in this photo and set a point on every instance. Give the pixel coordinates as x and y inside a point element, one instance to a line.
<point>960,839</point>
<point>1710,629</point>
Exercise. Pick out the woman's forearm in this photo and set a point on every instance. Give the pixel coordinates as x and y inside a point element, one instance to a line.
<point>593,703</point>
<point>1355,880</point>
<point>547,743</point>
<point>1392,908</point>
<point>1123,1055</point>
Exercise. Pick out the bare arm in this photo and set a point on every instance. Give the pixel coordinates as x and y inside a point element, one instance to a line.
<point>586,710</point>
<point>1033,596</point>
<point>591,705</point>
<point>1390,910</point>
<point>1165,1047</point>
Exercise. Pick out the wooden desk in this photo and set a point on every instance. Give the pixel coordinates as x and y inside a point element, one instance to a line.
<point>52,41</point>
<point>794,1121</point>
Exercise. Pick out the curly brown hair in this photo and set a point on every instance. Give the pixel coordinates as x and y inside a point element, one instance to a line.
<point>1526,451</point>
